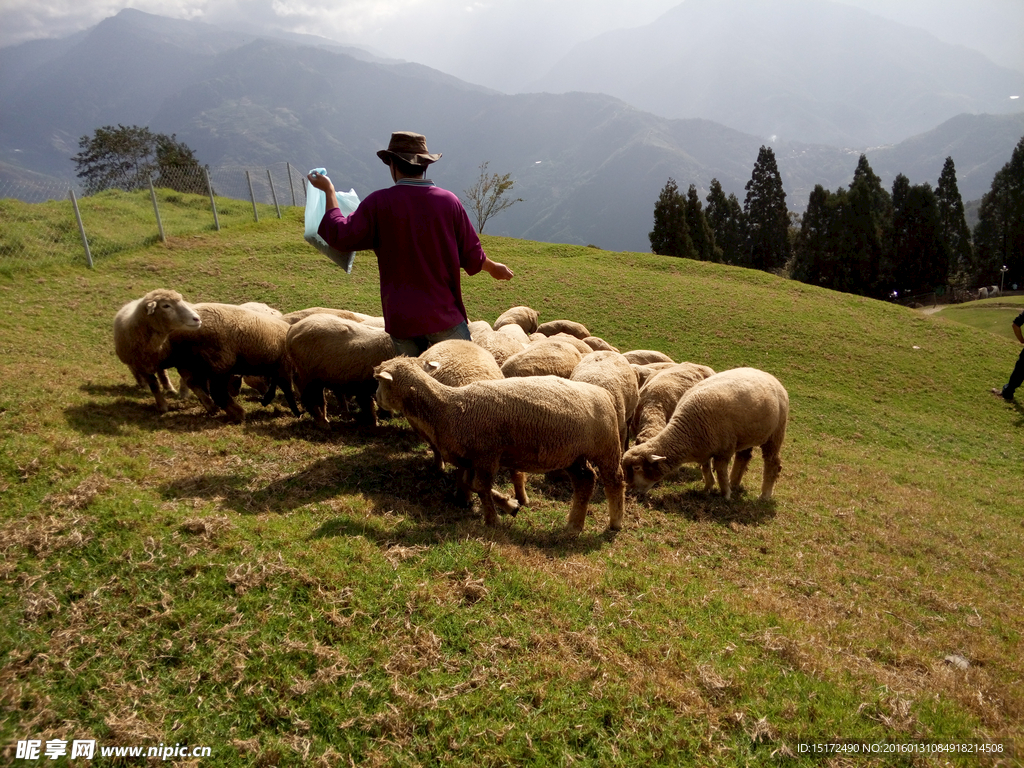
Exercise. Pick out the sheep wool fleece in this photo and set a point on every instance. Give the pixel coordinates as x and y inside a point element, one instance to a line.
<point>423,237</point>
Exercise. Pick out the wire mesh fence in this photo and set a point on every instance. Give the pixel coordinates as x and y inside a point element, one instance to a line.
<point>45,221</point>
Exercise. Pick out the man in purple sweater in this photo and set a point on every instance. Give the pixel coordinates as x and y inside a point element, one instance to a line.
<point>422,237</point>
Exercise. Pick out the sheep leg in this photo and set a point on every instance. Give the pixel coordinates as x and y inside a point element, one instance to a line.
<point>192,382</point>
<point>709,476</point>
<point>614,480</point>
<point>165,382</point>
<point>483,483</point>
<point>154,387</point>
<point>519,484</point>
<point>739,467</point>
<point>721,465</point>
<point>220,391</point>
<point>772,469</point>
<point>286,390</point>
<point>314,400</point>
<point>582,478</point>
<point>503,505</point>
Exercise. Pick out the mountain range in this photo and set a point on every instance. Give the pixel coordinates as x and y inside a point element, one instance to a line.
<point>589,165</point>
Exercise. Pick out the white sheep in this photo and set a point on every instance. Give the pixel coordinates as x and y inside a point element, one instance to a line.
<point>724,415</point>
<point>232,341</point>
<point>581,346</point>
<point>660,394</point>
<point>301,314</point>
<point>531,424</point>
<point>645,372</point>
<point>525,317</point>
<point>571,327</point>
<point>544,358</point>
<point>141,329</point>
<point>478,326</point>
<point>611,371</point>
<point>501,345</point>
<point>515,332</point>
<point>330,352</point>
<point>645,356</point>
<point>596,343</point>
<point>983,292</point>
<point>993,291</point>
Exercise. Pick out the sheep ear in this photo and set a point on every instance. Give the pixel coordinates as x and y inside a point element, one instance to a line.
<point>433,365</point>
<point>150,307</point>
<point>384,375</point>
<point>656,458</point>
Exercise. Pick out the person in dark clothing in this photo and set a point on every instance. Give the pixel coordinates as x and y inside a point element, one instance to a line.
<point>1017,377</point>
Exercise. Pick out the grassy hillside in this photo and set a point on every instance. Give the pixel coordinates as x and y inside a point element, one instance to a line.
<point>290,597</point>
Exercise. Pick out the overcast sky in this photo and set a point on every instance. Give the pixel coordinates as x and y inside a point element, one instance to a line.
<point>501,43</point>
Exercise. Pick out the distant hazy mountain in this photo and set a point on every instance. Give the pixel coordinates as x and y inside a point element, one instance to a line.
<point>589,166</point>
<point>800,70</point>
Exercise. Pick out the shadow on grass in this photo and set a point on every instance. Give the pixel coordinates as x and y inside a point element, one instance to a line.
<point>745,508</point>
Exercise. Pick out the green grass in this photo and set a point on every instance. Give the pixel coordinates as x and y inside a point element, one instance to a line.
<point>290,597</point>
<point>992,315</point>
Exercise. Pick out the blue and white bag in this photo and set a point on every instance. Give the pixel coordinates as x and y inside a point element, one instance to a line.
<point>316,207</point>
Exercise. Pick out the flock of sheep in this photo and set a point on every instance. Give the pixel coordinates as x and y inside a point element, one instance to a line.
<point>524,396</point>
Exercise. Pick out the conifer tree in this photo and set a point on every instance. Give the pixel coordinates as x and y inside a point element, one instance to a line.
<point>955,231</point>
<point>671,234</point>
<point>999,233</point>
<point>766,215</point>
<point>725,216</point>
<point>920,254</point>
<point>701,235</point>
<point>868,219</point>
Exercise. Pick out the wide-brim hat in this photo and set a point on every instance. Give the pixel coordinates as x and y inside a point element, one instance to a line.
<point>410,147</point>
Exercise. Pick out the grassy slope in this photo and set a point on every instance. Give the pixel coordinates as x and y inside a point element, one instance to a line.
<point>286,596</point>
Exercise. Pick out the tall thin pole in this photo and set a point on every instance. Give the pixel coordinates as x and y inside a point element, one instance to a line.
<point>273,193</point>
<point>291,183</point>
<point>252,196</point>
<point>156,210</point>
<point>213,203</point>
<point>81,228</point>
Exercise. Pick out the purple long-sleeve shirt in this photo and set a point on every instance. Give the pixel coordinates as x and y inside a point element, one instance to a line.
<point>423,238</point>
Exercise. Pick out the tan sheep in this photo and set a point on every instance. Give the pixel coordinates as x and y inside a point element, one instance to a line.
<point>231,342</point>
<point>581,346</point>
<point>531,424</point>
<point>660,394</point>
<point>301,314</point>
<point>525,317</point>
<point>501,345</point>
<point>571,327</point>
<point>724,415</point>
<point>645,372</point>
<point>141,330</point>
<point>611,371</point>
<point>543,358</point>
<point>645,356</point>
<point>598,344</point>
<point>330,352</point>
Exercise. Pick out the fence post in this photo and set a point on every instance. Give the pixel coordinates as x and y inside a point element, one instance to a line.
<point>156,210</point>
<point>213,203</point>
<point>81,228</point>
<point>252,196</point>
<point>291,184</point>
<point>273,193</point>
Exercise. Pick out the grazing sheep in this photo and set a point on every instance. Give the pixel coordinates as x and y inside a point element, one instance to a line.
<point>611,371</point>
<point>516,332</point>
<point>581,346</point>
<point>301,314</point>
<point>983,292</point>
<point>993,291</point>
<point>501,345</point>
<point>597,344</point>
<point>551,327</point>
<point>478,326</point>
<point>259,306</point>
<point>533,424</point>
<point>524,317</point>
<point>232,341</point>
<point>645,356</point>
<point>330,352</point>
<point>660,394</point>
<point>543,358</point>
<point>724,415</point>
<point>645,372</point>
<point>141,330</point>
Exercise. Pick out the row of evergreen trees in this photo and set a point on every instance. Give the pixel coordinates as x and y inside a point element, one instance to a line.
<point>862,239</point>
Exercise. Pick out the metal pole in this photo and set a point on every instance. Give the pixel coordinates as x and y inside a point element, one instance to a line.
<point>291,183</point>
<point>213,203</point>
<point>273,193</point>
<point>252,196</point>
<point>81,228</point>
<point>156,209</point>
